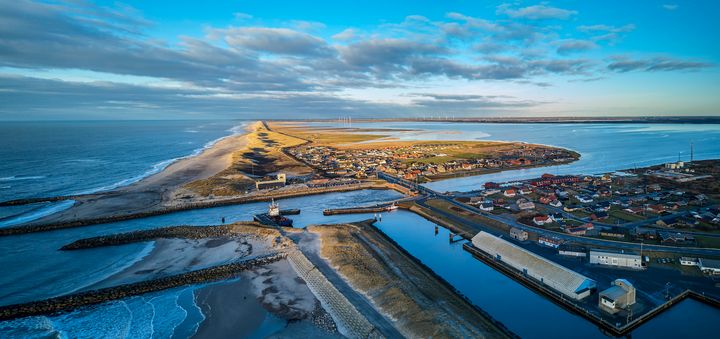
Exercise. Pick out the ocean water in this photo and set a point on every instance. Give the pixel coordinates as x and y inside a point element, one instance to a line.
<point>39,159</point>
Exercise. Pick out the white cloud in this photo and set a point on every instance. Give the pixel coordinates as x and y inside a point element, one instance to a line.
<point>536,12</point>
<point>346,35</point>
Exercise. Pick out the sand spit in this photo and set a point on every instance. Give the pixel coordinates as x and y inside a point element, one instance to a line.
<point>420,304</point>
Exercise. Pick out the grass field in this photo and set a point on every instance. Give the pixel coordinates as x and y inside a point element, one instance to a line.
<point>261,156</point>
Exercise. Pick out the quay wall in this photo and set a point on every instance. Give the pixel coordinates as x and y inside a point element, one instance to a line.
<point>354,210</point>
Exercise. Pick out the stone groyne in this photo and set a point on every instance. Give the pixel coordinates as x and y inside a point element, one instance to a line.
<point>77,300</point>
<point>187,232</point>
<point>350,322</point>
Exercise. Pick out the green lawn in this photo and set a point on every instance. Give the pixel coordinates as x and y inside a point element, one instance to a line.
<point>624,216</point>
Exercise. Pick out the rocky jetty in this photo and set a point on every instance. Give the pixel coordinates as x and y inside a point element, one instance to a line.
<point>187,232</point>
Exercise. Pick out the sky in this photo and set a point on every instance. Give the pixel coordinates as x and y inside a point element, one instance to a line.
<point>218,59</point>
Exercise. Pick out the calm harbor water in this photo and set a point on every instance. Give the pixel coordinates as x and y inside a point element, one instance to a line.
<point>36,270</point>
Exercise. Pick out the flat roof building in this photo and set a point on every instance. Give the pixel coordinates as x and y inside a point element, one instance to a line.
<point>618,297</point>
<point>689,261</point>
<point>270,184</point>
<point>553,275</point>
<point>611,258</point>
<point>572,250</point>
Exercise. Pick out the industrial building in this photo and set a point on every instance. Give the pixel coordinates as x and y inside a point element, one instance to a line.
<point>270,184</point>
<point>618,259</point>
<point>572,250</point>
<point>689,261</point>
<point>618,297</point>
<point>549,242</point>
<point>570,283</point>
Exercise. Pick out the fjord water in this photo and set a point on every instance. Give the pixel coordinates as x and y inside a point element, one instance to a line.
<point>35,269</point>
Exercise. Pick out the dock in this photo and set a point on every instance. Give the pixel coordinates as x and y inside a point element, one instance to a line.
<point>365,209</point>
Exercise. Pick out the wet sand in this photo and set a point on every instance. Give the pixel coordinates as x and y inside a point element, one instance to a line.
<point>230,310</point>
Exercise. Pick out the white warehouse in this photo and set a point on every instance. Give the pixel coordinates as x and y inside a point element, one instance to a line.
<point>559,278</point>
<point>618,259</point>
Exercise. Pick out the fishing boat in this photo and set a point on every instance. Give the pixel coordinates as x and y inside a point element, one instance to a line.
<point>275,215</point>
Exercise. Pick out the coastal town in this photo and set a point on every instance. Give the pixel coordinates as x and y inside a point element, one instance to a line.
<point>426,160</point>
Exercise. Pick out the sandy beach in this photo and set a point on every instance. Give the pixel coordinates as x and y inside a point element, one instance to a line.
<point>269,300</point>
<point>175,256</point>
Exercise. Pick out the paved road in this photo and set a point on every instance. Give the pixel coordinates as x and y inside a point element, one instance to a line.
<point>430,194</point>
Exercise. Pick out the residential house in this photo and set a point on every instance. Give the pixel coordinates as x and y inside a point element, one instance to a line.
<point>524,204</point>
<point>487,206</point>
<point>542,220</point>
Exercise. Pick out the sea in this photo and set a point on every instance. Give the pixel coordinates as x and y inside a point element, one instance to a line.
<point>40,159</point>
<point>61,158</point>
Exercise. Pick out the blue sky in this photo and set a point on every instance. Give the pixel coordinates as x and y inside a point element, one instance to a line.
<point>324,59</point>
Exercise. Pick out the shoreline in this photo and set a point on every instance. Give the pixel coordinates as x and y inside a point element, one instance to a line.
<point>150,192</point>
